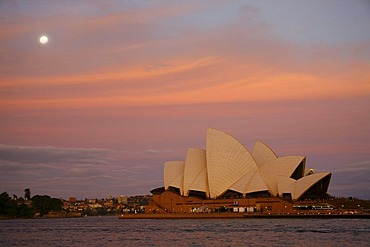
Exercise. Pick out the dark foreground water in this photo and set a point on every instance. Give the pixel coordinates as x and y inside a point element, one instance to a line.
<point>110,231</point>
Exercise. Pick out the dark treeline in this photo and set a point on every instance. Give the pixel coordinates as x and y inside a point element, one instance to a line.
<point>27,207</point>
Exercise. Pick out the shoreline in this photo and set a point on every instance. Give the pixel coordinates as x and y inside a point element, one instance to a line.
<point>311,216</point>
<point>241,216</point>
<point>182,216</point>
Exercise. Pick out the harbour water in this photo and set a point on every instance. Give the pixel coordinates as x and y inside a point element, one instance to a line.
<point>110,231</point>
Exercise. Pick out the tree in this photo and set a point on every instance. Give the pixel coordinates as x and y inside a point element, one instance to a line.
<point>27,194</point>
<point>45,204</point>
<point>8,206</point>
<point>25,212</point>
<point>4,197</point>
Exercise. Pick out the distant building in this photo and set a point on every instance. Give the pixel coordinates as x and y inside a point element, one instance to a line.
<point>72,199</point>
<point>91,201</point>
<point>226,169</point>
<point>122,199</point>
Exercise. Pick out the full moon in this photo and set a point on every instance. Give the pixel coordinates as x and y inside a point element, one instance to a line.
<point>43,40</point>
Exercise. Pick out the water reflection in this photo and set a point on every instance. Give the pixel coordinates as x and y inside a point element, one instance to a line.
<point>103,231</point>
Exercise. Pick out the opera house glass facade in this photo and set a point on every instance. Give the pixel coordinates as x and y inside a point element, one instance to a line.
<point>226,169</point>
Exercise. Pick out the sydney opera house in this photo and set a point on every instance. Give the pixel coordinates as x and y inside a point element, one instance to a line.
<point>226,176</point>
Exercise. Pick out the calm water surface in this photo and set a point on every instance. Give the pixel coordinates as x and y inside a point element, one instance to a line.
<point>110,231</point>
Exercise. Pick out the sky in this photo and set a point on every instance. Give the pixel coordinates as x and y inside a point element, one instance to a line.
<point>123,86</point>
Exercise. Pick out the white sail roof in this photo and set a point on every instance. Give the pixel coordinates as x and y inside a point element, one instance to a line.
<point>227,165</point>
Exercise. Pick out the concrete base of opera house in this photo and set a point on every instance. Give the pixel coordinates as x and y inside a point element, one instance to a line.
<point>172,202</point>
<point>171,205</point>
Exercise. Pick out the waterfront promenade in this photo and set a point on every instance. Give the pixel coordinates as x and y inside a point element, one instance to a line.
<point>310,214</point>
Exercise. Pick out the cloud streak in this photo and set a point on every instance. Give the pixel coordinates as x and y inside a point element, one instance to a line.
<point>352,176</point>
<point>73,169</point>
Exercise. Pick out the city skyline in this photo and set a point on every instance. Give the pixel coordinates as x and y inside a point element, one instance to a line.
<point>121,87</point>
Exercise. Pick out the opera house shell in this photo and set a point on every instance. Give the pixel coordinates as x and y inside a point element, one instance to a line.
<point>227,169</point>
